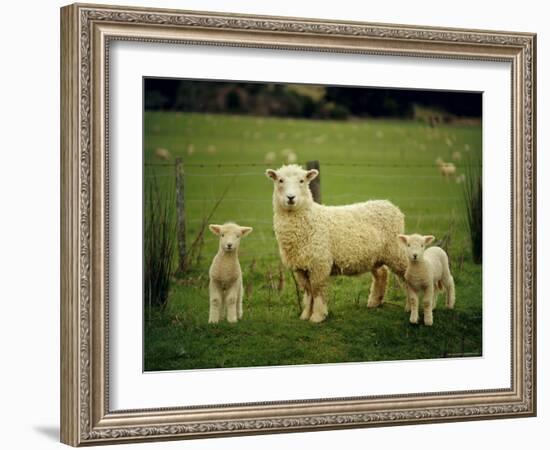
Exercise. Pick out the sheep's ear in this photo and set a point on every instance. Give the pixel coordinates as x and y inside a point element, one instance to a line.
<point>312,174</point>
<point>246,230</point>
<point>216,229</point>
<point>428,239</point>
<point>270,173</point>
<point>403,238</point>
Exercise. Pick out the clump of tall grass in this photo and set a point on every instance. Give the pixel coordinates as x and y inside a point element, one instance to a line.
<point>473,200</point>
<point>158,245</point>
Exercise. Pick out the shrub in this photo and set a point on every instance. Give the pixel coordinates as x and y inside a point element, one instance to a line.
<point>473,198</point>
<point>158,246</point>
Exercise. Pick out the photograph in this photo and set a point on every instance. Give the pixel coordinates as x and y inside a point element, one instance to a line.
<point>283,223</point>
<point>295,224</point>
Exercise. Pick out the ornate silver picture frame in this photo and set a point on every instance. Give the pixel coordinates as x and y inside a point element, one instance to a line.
<point>87,31</point>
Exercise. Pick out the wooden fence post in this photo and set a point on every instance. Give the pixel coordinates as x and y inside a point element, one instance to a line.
<point>315,185</point>
<point>180,206</point>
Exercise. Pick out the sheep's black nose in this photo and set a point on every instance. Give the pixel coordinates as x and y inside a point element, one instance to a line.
<point>414,255</point>
<point>229,245</point>
<point>290,197</point>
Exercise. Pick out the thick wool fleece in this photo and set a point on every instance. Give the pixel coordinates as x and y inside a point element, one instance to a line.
<point>317,241</point>
<point>345,240</point>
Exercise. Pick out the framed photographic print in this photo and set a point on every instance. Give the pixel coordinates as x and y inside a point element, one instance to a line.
<point>275,224</point>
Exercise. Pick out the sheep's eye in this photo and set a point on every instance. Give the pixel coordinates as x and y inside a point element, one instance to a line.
<point>301,181</point>
<point>223,235</point>
<point>408,245</point>
<point>280,180</point>
<point>238,236</point>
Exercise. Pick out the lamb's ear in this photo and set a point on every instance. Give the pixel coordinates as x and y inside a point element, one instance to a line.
<point>403,238</point>
<point>216,229</point>
<point>429,239</point>
<point>246,230</point>
<point>270,173</point>
<point>312,174</point>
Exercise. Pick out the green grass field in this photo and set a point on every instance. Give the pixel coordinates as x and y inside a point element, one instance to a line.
<point>360,160</point>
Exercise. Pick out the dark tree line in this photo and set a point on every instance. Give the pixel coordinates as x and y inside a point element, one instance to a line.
<point>334,102</point>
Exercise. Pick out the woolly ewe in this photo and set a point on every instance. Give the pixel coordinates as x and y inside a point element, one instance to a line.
<point>316,241</point>
<point>226,280</point>
<point>427,273</point>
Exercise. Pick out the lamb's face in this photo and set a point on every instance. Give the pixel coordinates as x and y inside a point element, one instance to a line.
<point>415,245</point>
<point>230,235</point>
<point>291,186</point>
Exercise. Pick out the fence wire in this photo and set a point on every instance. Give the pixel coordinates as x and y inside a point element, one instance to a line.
<point>264,225</point>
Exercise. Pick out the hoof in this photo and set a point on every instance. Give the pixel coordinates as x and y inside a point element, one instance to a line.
<point>212,321</point>
<point>316,317</point>
<point>414,320</point>
<point>305,315</point>
<point>374,302</point>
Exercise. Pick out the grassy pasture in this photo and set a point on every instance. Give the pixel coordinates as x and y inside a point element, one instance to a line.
<point>360,160</point>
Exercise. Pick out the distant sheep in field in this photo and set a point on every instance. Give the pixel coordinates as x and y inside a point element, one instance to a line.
<point>317,241</point>
<point>270,157</point>
<point>226,280</point>
<point>162,153</point>
<point>427,273</point>
<point>446,169</point>
<point>460,178</point>
<point>190,149</point>
<point>289,156</point>
<point>211,149</point>
<point>456,156</point>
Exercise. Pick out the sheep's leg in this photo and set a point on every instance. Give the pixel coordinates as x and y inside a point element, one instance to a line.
<point>307,305</point>
<point>407,304</point>
<point>216,302</point>
<point>437,288</point>
<point>398,266</point>
<point>318,280</point>
<point>307,300</point>
<point>428,302</point>
<point>320,309</point>
<point>378,287</point>
<point>240,300</point>
<point>413,303</point>
<point>231,301</point>
<point>450,288</point>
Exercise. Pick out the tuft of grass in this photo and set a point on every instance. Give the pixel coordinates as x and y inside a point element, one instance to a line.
<point>159,244</point>
<point>473,200</point>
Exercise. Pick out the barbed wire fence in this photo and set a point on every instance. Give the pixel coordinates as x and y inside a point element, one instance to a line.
<point>175,170</point>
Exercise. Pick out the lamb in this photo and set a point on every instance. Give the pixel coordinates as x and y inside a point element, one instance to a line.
<point>427,273</point>
<point>226,281</point>
<point>317,241</point>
